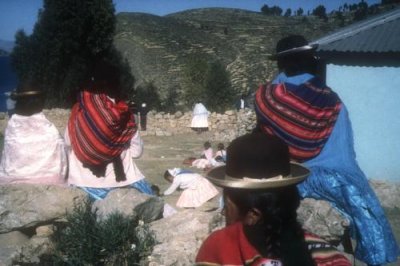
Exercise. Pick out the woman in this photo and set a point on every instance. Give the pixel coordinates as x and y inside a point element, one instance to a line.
<point>313,121</point>
<point>196,189</point>
<point>34,150</point>
<point>206,159</point>
<point>102,137</point>
<point>200,118</point>
<point>261,199</point>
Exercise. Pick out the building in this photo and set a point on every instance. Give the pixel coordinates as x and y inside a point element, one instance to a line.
<point>362,64</point>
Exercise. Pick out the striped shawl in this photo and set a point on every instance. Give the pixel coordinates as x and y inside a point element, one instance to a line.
<point>100,129</point>
<point>302,115</point>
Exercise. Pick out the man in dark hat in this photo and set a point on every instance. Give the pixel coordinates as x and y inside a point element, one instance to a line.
<point>301,110</point>
<point>260,202</point>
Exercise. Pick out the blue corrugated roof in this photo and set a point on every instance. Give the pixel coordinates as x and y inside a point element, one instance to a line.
<point>375,35</point>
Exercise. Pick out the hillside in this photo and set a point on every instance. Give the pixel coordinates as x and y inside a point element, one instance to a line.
<point>157,47</point>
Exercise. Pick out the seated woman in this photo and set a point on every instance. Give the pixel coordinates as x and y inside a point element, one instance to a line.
<point>102,137</point>
<point>34,150</point>
<point>196,189</point>
<point>206,158</point>
<point>261,199</point>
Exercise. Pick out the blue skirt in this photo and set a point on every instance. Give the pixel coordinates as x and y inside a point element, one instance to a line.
<point>100,193</point>
<point>353,197</point>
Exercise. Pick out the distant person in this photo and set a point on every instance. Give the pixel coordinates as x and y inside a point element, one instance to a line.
<point>134,109</point>
<point>196,189</point>
<point>143,110</point>
<point>102,137</point>
<point>260,208</point>
<point>10,103</point>
<point>199,118</point>
<point>311,118</point>
<point>241,102</point>
<point>34,150</point>
<point>206,158</point>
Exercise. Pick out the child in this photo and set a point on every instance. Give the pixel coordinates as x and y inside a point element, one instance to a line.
<point>196,189</point>
<point>220,155</point>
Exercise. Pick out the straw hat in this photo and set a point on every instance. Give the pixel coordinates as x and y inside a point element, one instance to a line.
<point>257,161</point>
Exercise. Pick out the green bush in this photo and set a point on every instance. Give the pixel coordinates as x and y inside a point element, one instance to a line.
<point>207,81</point>
<point>86,240</point>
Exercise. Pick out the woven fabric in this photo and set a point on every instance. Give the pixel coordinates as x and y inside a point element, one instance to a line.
<point>99,128</point>
<point>229,246</point>
<point>302,115</point>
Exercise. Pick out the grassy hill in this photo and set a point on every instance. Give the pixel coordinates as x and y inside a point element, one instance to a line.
<point>158,48</point>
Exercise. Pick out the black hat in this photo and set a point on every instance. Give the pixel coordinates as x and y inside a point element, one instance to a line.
<point>291,45</point>
<point>257,161</point>
<point>15,95</point>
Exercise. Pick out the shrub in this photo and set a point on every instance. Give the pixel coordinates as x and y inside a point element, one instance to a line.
<point>207,81</point>
<point>86,240</point>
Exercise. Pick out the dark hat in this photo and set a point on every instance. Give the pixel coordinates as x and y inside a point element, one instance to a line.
<point>291,45</point>
<point>15,95</point>
<point>257,161</point>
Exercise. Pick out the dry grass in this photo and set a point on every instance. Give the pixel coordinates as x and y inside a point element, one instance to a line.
<point>162,153</point>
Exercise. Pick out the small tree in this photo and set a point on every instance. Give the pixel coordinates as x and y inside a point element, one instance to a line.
<point>218,87</point>
<point>207,81</point>
<point>170,104</point>
<point>320,12</point>
<point>299,12</point>
<point>65,39</point>
<point>194,79</point>
<point>361,11</point>
<point>265,9</point>
<point>288,12</point>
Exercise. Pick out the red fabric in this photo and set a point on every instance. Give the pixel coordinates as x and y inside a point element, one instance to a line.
<point>229,246</point>
<point>99,129</point>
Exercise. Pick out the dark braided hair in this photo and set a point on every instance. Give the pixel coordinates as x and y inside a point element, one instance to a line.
<point>277,235</point>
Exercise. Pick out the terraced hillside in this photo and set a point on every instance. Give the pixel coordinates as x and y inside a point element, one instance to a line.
<point>157,47</point>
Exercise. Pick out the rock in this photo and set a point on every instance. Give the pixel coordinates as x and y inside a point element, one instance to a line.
<point>388,193</point>
<point>27,205</point>
<point>150,210</point>
<point>178,114</point>
<point>31,252</point>
<point>44,230</point>
<point>180,236</point>
<point>125,200</point>
<point>320,218</point>
<point>9,243</point>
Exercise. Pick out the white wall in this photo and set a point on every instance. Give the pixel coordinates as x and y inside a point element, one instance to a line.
<point>372,96</point>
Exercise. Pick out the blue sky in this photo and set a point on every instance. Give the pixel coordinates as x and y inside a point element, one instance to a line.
<point>22,14</point>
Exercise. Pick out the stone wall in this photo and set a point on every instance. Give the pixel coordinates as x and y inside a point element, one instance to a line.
<point>224,126</point>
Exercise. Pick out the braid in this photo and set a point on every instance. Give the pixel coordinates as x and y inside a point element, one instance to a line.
<point>278,235</point>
